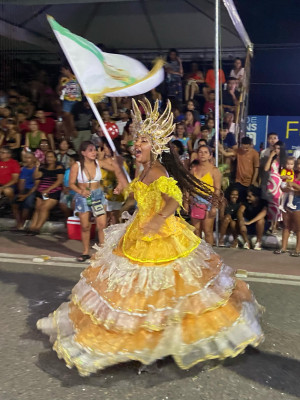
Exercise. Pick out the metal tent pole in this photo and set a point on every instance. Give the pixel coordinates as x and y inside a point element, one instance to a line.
<point>217,102</point>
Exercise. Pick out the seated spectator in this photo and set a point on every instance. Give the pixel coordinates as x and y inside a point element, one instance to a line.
<point>83,115</point>
<point>111,127</point>
<point>123,118</point>
<point>247,165</point>
<point>251,217</point>
<point>27,185</point>
<point>193,82</point>
<point>191,125</point>
<point>230,96</point>
<point>238,72</point>
<point>5,114</point>
<point>22,124</point>
<point>229,118</point>
<point>182,136</point>
<point>178,115</point>
<point>67,195</point>
<point>12,138</point>
<point>3,99</point>
<point>179,149</point>
<point>34,136</point>
<point>190,106</point>
<point>210,123</point>
<point>9,173</point>
<point>228,217</point>
<point>46,125</point>
<point>209,105</point>
<point>64,153</point>
<point>194,155</point>
<point>25,106</point>
<point>203,136</point>
<point>50,180</point>
<point>40,153</point>
<point>155,95</point>
<point>226,138</point>
<point>202,213</point>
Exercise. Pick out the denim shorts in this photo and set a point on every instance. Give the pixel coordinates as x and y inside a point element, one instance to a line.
<point>296,203</point>
<point>68,105</point>
<point>81,204</point>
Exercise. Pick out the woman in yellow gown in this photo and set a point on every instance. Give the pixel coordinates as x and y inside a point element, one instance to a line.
<point>154,288</point>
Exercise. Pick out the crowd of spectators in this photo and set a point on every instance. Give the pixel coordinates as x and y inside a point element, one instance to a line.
<point>44,120</point>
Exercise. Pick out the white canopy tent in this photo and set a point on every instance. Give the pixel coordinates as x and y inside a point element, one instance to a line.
<point>142,28</point>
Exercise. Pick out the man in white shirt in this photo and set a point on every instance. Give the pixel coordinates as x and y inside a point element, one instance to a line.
<point>271,139</point>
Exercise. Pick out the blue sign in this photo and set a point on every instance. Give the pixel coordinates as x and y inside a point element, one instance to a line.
<point>256,129</point>
<point>288,130</point>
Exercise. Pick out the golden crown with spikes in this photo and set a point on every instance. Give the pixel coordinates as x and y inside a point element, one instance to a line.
<point>157,128</point>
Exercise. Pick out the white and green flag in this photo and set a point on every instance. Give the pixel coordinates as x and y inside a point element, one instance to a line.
<point>104,74</point>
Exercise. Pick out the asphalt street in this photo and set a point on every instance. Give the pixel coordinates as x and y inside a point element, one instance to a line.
<point>30,370</point>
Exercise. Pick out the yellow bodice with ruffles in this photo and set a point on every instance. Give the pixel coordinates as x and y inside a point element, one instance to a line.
<point>175,238</point>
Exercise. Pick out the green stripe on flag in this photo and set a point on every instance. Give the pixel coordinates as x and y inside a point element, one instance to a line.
<point>77,39</point>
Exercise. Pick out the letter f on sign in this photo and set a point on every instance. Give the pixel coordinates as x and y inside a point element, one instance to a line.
<point>288,129</point>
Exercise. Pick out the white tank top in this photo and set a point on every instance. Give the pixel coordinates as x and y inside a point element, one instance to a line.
<point>82,178</point>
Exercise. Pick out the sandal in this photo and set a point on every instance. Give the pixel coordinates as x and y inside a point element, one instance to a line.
<point>295,254</point>
<point>83,258</point>
<point>279,251</point>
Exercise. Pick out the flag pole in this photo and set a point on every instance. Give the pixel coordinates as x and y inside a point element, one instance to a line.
<point>217,103</point>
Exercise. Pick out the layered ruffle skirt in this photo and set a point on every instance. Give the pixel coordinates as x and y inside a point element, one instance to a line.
<point>192,308</point>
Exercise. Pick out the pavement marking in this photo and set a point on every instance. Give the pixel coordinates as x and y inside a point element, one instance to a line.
<point>29,256</point>
<point>276,281</point>
<point>71,264</point>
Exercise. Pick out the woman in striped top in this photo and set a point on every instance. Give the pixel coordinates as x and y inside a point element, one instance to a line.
<point>48,193</point>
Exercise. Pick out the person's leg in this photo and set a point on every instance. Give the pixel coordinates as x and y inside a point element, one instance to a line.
<point>233,228</point>
<point>223,228</point>
<point>65,209</point>
<point>101,225</point>
<point>85,231</point>
<point>286,230</point>
<point>196,224</point>
<point>17,214</point>
<point>243,231</point>
<point>35,217</point>
<point>9,193</point>
<point>194,90</point>
<point>208,229</point>
<point>45,208</point>
<point>296,219</point>
<point>260,226</point>
<point>187,92</point>
<point>283,199</point>
<point>290,200</point>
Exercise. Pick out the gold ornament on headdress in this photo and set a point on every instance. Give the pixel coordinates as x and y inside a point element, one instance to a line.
<point>158,129</point>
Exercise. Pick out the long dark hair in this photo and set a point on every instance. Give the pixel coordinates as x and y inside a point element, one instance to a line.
<point>282,154</point>
<point>84,145</point>
<point>187,182</point>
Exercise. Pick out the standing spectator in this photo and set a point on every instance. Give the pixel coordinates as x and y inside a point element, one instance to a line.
<point>67,195</point>
<point>296,153</point>
<point>251,217</point>
<point>27,186</point>
<point>247,165</point>
<point>193,82</point>
<point>63,153</point>
<point>272,138</point>
<point>9,173</point>
<point>40,153</point>
<point>34,136</point>
<point>273,191</point>
<point>127,137</point>
<point>111,127</point>
<point>230,96</point>
<point>202,216</point>
<point>226,138</point>
<point>50,179</point>
<point>83,116</point>
<point>238,72</point>
<point>46,125</point>
<point>211,82</point>
<point>124,115</point>
<point>69,89</point>
<point>291,218</point>
<point>174,73</point>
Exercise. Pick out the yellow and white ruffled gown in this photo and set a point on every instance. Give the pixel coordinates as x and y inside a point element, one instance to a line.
<point>144,298</point>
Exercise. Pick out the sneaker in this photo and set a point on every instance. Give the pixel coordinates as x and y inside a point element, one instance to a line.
<point>257,246</point>
<point>246,246</point>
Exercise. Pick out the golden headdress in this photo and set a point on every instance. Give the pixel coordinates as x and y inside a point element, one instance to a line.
<point>157,128</point>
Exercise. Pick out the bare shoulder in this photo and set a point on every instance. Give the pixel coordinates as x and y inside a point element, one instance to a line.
<point>216,172</point>
<point>156,172</point>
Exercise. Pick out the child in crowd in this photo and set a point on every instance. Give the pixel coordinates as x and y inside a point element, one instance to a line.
<point>228,216</point>
<point>251,217</point>
<point>67,195</point>
<point>287,175</point>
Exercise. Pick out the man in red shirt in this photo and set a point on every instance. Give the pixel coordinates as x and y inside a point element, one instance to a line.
<point>46,125</point>
<point>111,127</point>
<point>9,173</point>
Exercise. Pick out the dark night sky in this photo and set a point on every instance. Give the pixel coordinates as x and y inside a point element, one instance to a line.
<point>274,28</point>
